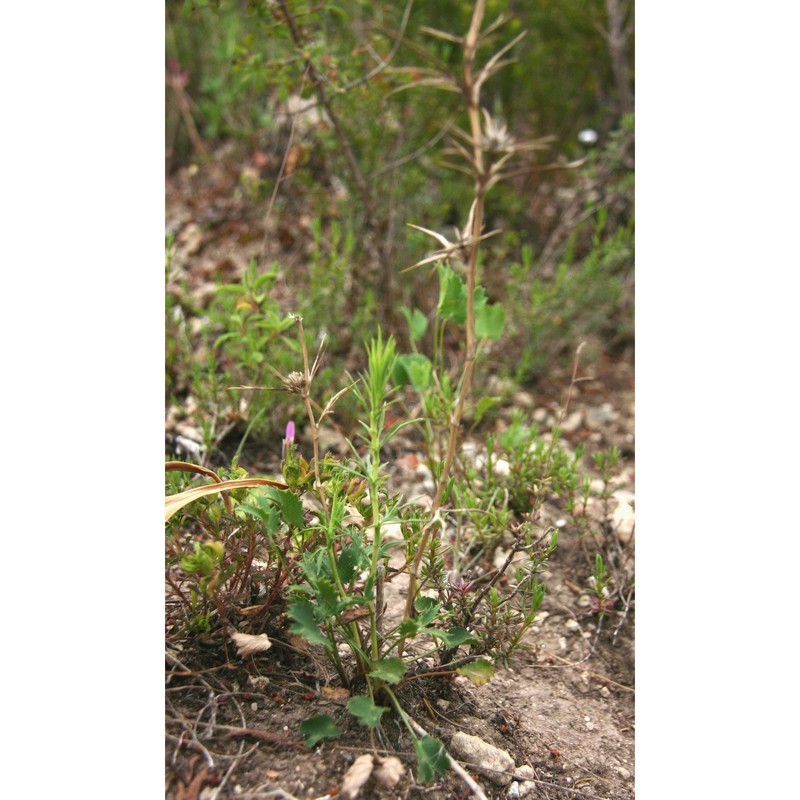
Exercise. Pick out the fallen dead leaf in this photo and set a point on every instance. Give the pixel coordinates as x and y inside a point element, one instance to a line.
<point>356,777</point>
<point>389,772</point>
<point>191,791</point>
<point>248,644</point>
<point>336,694</point>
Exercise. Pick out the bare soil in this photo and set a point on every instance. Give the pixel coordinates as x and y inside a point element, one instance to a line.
<point>563,708</point>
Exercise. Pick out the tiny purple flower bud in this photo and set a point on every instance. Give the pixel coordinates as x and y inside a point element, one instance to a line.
<point>289,431</point>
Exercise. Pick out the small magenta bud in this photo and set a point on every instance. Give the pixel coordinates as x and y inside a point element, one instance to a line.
<point>289,431</point>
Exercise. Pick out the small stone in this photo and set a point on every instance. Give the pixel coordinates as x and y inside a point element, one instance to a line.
<point>423,473</point>
<point>526,787</point>
<point>526,772</point>
<point>572,625</point>
<point>584,601</point>
<point>513,791</point>
<point>623,517</point>
<point>331,440</point>
<point>623,773</point>
<point>523,399</point>
<point>392,531</point>
<point>601,416</point>
<point>254,706</point>
<point>501,468</point>
<point>469,449</point>
<point>500,557</point>
<point>605,691</point>
<point>540,415</point>
<point>491,761</point>
<point>573,422</point>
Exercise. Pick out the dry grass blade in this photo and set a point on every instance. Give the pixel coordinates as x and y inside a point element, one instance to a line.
<point>437,34</point>
<point>176,502</point>
<point>437,83</point>
<point>185,466</point>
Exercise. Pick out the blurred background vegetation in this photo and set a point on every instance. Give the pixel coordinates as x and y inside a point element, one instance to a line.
<point>324,106</point>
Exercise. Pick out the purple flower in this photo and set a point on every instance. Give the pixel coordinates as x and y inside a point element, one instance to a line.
<point>289,437</point>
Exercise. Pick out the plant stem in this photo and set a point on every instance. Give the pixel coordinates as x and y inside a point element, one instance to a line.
<point>471,92</point>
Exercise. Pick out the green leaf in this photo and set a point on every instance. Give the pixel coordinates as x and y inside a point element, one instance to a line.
<point>352,559</point>
<point>452,638</point>
<point>317,728</point>
<point>390,670</point>
<point>479,672</point>
<point>432,758</point>
<point>408,628</point>
<point>365,710</point>
<point>452,295</point>
<point>484,404</point>
<point>489,321</point>
<point>413,368</point>
<point>427,610</point>
<point>419,370</point>
<point>417,322</point>
<point>329,602</point>
<point>264,511</point>
<point>306,625</point>
<point>290,506</point>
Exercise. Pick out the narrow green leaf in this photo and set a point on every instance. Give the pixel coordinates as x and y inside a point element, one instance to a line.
<point>306,625</point>
<point>479,672</point>
<point>484,404</point>
<point>390,670</point>
<point>365,710</point>
<point>318,728</point>
<point>432,758</point>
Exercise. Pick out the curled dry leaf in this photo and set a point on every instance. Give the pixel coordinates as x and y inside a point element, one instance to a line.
<point>248,645</point>
<point>336,694</point>
<point>389,772</point>
<point>356,777</point>
<point>353,517</point>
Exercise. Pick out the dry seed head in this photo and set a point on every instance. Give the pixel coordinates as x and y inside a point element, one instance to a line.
<point>496,137</point>
<point>295,382</point>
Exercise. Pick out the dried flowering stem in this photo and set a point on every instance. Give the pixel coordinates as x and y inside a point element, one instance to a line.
<point>471,91</point>
<point>486,149</point>
<point>301,384</point>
